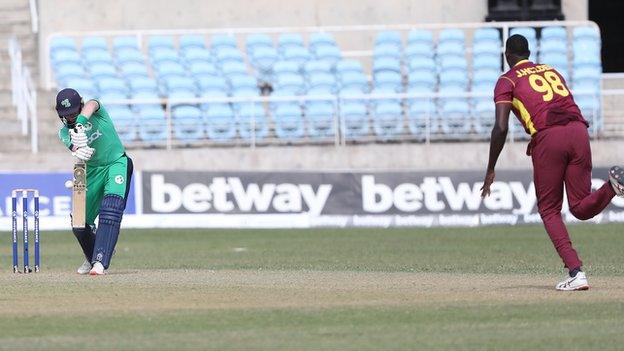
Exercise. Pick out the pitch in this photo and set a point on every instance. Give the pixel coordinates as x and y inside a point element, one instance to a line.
<point>354,289</point>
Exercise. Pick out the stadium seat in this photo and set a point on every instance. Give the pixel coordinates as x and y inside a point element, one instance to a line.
<point>110,97</point>
<point>151,95</point>
<point>263,58</point>
<point>389,37</point>
<point>133,70</point>
<point>450,48</point>
<point>86,87</point>
<point>382,94</point>
<point>102,70</point>
<point>296,54</point>
<point>321,39</point>
<point>387,120</point>
<point>252,122</point>
<point>65,56</point>
<point>290,81</point>
<point>208,82</point>
<point>325,81</point>
<point>167,69</point>
<point>192,41</point>
<point>288,121</point>
<point>486,49</point>
<point>455,78</point>
<point>420,36</point>
<point>172,83</point>
<point>113,85</point>
<point>160,41</point>
<point>153,124</point>
<point>202,67</point>
<point>289,40</point>
<point>453,62</point>
<point>348,65</point>
<point>219,42</point>
<point>316,67</point>
<point>386,50</point>
<point>125,56</point>
<point>97,56</point>
<point>486,76</point>
<point>226,54</point>
<point>386,64</point>
<point>162,55</point>
<point>243,81</point>
<point>125,42</point>
<point>62,43</point>
<point>255,41</point>
<point>233,68</point>
<point>553,46</point>
<point>220,122</point>
<point>483,113</point>
<point>418,50</point>
<point>354,80</point>
<point>421,115</point>
<point>64,72</point>
<point>281,67</point>
<point>452,35</point>
<point>487,62</point>
<point>419,62</point>
<point>354,120</point>
<point>586,32</point>
<point>197,55</point>
<point>94,43</point>
<point>489,36</point>
<point>391,80</point>
<point>558,34</point>
<point>330,54</point>
<point>454,119</point>
<point>125,122</point>
<point>187,123</point>
<point>422,77</point>
<point>320,118</point>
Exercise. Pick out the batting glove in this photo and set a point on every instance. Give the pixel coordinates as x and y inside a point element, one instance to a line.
<point>78,139</point>
<point>84,153</point>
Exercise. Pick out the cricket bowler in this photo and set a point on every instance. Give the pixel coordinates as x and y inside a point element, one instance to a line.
<point>109,171</point>
<point>559,147</point>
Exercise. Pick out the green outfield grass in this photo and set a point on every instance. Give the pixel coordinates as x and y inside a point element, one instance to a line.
<point>332,289</point>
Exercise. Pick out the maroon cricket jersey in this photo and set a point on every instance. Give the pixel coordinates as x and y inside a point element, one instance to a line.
<point>538,95</point>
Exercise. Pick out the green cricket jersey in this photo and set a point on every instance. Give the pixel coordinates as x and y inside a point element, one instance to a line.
<point>102,137</point>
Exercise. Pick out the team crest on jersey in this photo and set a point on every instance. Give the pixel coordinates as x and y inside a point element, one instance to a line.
<point>119,179</point>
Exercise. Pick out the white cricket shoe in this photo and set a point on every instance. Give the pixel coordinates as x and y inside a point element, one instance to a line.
<point>84,268</point>
<point>574,283</point>
<point>97,269</point>
<point>616,177</point>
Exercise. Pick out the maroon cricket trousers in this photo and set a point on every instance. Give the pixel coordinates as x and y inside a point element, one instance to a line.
<point>562,155</point>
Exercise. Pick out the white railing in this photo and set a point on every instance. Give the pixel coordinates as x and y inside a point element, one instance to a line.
<point>24,94</point>
<point>34,15</point>
<point>424,128</point>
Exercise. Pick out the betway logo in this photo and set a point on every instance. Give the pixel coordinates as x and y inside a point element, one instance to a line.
<point>436,194</point>
<point>227,194</point>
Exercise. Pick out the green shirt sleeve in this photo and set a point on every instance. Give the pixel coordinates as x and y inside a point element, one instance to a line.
<point>64,136</point>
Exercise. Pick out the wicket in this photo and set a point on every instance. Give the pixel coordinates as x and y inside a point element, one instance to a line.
<point>25,193</point>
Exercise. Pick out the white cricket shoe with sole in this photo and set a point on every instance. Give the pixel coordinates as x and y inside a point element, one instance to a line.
<point>616,177</point>
<point>84,268</point>
<point>574,283</point>
<point>97,269</point>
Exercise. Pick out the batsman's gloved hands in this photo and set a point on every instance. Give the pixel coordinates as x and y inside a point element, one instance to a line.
<point>84,153</point>
<point>78,139</point>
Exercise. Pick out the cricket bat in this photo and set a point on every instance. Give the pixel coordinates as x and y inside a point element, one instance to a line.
<point>79,193</point>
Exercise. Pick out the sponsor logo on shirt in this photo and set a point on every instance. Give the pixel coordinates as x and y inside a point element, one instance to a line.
<point>119,179</point>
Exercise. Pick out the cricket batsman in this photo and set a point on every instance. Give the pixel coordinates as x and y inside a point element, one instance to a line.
<point>559,147</point>
<point>109,171</point>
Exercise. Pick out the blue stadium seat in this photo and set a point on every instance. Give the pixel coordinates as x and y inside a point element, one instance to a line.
<point>62,43</point>
<point>330,54</point>
<point>125,42</point>
<point>220,122</point>
<point>288,121</point>
<point>290,81</point>
<point>454,117</point>
<point>420,36</point>
<point>452,35</point>
<point>587,77</point>
<point>322,80</point>
<point>125,122</point>
<point>349,65</point>
<point>113,85</point>
<point>389,37</point>
<point>103,70</point>
<point>215,97</point>
<point>552,46</point>
<point>222,41</point>
<point>64,72</point>
<point>94,43</point>
<point>297,54</point>
<point>187,123</point>
<point>386,50</point>
<point>179,83</point>
<point>181,96</point>
<point>486,49</point>
<point>555,34</point>
<point>289,40</point>
<point>228,54</point>
<point>487,62</point>
<point>255,41</point>
<point>97,56</point>
<point>192,41</point>
<point>321,39</point>
<point>160,41</point>
<point>263,58</point>
<point>456,78</point>
<point>109,97</point>
<point>320,118</point>
<point>386,64</point>
<point>586,32</point>
<point>418,50</point>
<point>211,83</point>
<point>422,77</point>
<point>392,80</point>
<point>485,75</point>
<point>354,120</point>
<point>354,80</point>
<point>422,63</point>
<point>388,120</point>
<point>554,59</point>
<point>282,67</point>
<point>586,53</point>
<point>126,56</point>
<point>233,67</point>
<point>133,70</point>
<point>66,56</point>
<point>252,122</point>
<point>487,35</point>
<point>421,115</point>
<point>145,95</point>
<point>86,87</point>
<point>316,67</point>
<point>590,108</point>
<point>483,113</point>
<point>167,69</point>
<point>153,124</point>
<point>453,62</point>
<point>197,55</point>
<point>243,81</point>
<point>162,55</point>
<point>381,95</point>
<point>202,67</point>
<point>450,48</point>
